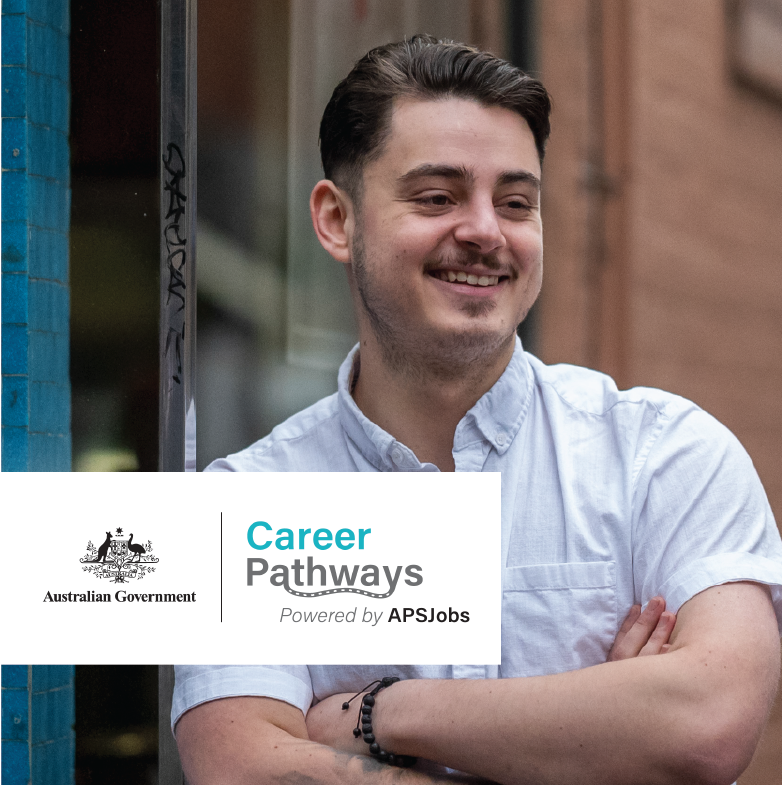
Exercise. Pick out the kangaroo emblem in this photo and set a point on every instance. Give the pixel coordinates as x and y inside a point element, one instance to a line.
<point>104,548</point>
<point>120,560</point>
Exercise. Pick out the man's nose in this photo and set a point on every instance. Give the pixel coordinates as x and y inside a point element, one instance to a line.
<point>479,228</point>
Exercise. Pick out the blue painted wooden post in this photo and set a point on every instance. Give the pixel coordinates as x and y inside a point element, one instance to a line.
<point>36,214</point>
<point>37,701</point>
<point>37,724</point>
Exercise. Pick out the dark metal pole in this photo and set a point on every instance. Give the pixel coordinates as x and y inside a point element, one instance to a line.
<point>178,235</point>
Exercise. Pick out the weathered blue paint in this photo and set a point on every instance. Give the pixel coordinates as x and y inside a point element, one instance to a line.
<point>37,724</point>
<point>36,217</point>
<point>36,702</point>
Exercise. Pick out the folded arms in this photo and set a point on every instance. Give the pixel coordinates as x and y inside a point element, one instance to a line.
<point>694,714</point>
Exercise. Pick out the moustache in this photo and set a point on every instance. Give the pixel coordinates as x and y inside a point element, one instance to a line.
<point>464,258</point>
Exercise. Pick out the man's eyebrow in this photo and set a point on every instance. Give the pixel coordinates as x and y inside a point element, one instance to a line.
<point>452,172</point>
<point>518,176</point>
<point>436,170</point>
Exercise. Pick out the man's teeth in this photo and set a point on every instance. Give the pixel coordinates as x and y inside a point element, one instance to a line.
<point>464,278</point>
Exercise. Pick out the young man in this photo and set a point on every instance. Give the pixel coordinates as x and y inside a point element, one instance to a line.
<point>432,154</point>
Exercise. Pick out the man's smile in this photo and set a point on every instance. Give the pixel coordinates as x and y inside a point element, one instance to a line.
<point>470,273</point>
<point>471,279</point>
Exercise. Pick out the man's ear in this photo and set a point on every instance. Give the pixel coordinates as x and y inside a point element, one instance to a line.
<point>333,218</point>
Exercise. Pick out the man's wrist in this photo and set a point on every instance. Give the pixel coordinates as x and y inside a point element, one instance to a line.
<point>389,714</point>
<point>364,727</point>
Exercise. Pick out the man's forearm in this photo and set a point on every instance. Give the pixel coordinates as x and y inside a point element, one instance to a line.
<point>693,714</point>
<point>603,724</point>
<point>259,740</point>
<point>301,761</point>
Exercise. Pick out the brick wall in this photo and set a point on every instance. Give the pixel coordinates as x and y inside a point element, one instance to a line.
<point>690,285</point>
<point>36,214</point>
<point>707,291</point>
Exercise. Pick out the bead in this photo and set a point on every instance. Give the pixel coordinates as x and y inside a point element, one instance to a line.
<point>345,705</point>
<point>367,702</point>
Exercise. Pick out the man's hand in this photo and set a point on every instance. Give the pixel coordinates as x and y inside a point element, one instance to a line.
<point>642,633</point>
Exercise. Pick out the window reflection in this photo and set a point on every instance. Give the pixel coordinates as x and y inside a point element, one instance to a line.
<point>275,319</point>
<point>114,235</point>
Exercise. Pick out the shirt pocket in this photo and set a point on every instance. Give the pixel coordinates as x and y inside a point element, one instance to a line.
<point>557,618</point>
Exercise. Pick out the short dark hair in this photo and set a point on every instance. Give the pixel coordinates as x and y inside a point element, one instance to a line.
<point>356,122</point>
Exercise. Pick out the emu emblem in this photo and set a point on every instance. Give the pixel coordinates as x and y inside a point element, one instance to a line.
<point>119,559</point>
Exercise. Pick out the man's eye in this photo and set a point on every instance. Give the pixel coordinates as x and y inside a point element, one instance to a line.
<point>434,200</point>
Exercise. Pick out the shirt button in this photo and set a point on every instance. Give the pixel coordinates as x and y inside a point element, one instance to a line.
<point>501,438</point>
<point>396,456</point>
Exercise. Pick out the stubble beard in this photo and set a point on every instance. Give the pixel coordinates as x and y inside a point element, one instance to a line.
<point>440,355</point>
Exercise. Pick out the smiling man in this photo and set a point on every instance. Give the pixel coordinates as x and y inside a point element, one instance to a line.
<point>611,500</point>
<point>452,212</point>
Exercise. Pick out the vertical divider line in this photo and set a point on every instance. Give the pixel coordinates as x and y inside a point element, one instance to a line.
<point>221,566</point>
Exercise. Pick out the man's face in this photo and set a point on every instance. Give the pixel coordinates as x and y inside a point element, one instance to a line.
<point>448,245</point>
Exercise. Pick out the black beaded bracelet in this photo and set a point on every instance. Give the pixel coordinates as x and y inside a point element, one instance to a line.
<point>364,724</point>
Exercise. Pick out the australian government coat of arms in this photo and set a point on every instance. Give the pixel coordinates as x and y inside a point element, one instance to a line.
<point>119,559</point>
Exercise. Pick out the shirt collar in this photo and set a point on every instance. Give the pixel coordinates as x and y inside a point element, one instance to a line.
<point>496,417</point>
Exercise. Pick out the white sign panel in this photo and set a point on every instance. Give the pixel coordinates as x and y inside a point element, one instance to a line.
<point>327,568</point>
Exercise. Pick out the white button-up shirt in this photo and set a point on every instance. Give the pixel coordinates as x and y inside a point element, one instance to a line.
<point>608,498</point>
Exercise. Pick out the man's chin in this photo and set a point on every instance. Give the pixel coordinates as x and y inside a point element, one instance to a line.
<point>454,353</point>
<point>477,309</point>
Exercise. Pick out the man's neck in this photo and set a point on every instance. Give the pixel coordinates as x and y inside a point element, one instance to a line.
<point>420,409</point>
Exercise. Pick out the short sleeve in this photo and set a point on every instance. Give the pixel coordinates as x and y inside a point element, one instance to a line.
<point>195,685</point>
<point>701,516</point>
